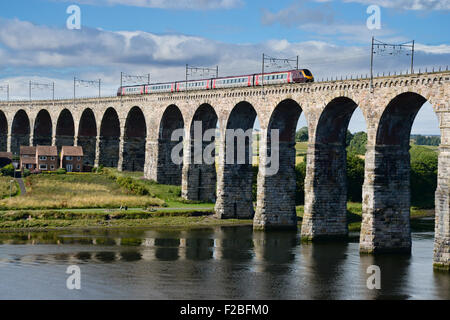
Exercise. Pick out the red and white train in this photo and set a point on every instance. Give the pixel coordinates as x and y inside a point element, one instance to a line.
<point>291,76</point>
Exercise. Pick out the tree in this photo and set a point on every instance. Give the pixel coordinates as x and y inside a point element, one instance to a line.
<point>358,143</point>
<point>355,177</point>
<point>302,135</point>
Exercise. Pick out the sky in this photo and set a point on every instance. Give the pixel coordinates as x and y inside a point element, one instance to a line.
<point>331,37</point>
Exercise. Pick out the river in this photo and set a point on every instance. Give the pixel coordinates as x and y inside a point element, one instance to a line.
<point>209,263</point>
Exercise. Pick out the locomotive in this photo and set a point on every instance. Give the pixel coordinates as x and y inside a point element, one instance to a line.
<point>252,80</point>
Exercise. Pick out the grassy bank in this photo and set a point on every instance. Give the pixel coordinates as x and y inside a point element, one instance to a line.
<point>354,217</point>
<point>5,187</point>
<point>75,191</point>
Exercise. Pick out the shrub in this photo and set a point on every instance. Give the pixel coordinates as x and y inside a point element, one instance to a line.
<point>8,170</point>
<point>61,171</point>
<point>26,173</point>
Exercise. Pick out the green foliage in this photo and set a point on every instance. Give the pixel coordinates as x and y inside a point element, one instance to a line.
<point>302,135</point>
<point>348,138</point>
<point>26,173</point>
<point>355,177</point>
<point>358,143</point>
<point>426,140</point>
<point>300,174</point>
<point>61,171</point>
<point>8,170</point>
<point>424,168</point>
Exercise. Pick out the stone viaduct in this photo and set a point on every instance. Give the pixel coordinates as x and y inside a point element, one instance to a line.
<point>134,133</point>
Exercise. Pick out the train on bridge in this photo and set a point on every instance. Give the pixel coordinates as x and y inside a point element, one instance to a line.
<point>252,80</point>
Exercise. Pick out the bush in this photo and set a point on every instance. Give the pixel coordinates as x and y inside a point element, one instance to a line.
<point>8,170</point>
<point>355,177</point>
<point>26,173</point>
<point>61,171</point>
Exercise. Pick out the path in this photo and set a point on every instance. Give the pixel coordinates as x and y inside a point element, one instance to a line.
<point>23,191</point>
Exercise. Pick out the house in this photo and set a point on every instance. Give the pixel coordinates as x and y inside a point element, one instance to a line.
<point>72,158</point>
<point>27,157</point>
<point>5,158</point>
<point>46,158</point>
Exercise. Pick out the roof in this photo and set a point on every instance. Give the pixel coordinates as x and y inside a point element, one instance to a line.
<point>72,151</point>
<point>27,150</point>
<point>47,151</point>
<point>6,155</point>
<point>28,160</point>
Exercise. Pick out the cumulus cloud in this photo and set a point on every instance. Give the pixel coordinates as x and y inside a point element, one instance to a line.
<point>166,4</point>
<point>29,51</point>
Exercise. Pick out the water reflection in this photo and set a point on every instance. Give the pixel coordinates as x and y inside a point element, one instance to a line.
<point>221,262</point>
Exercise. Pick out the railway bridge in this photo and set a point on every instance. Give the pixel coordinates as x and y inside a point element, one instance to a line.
<point>134,133</point>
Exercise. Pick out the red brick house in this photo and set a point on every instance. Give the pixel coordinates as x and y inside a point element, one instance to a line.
<point>72,158</point>
<point>27,157</point>
<point>47,158</point>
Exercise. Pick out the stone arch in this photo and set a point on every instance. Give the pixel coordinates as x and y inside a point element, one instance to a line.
<point>199,174</point>
<point>20,131</point>
<point>87,136</point>
<point>134,141</point>
<point>109,139</point>
<point>168,171</point>
<point>387,195</point>
<point>234,180</point>
<point>326,179</point>
<point>276,178</point>
<point>65,130</point>
<point>43,128</point>
<point>3,131</point>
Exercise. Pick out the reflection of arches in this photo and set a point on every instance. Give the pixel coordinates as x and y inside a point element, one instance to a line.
<point>276,181</point>
<point>42,129</point>
<point>20,133</point>
<point>3,132</point>
<point>110,139</point>
<point>326,202</point>
<point>87,133</point>
<point>134,143</point>
<point>386,196</point>
<point>199,177</point>
<point>235,178</point>
<point>168,171</point>
<point>65,129</point>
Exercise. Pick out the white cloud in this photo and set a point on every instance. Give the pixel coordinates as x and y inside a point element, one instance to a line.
<point>408,4</point>
<point>52,54</point>
<point>166,4</point>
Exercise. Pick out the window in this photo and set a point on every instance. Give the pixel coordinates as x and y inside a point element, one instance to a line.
<point>69,158</point>
<point>53,158</point>
<point>52,167</point>
<point>78,158</point>
<point>42,167</point>
<point>78,167</point>
<point>42,158</point>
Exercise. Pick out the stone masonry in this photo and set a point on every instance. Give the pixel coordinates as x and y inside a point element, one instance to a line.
<point>389,108</point>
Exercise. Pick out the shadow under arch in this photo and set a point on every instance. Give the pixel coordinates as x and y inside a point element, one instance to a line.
<point>43,128</point>
<point>199,174</point>
<point>167,170</point>
<point>134,141</point>
<point>234,179</point>
<point>276,175</point>
<point>3,132</point>
<point>109,139</point>
<point>386,196</point>
<point>325,214</point>
<point>20,131</point>
<point>87,136</point>
<point>65,130</point>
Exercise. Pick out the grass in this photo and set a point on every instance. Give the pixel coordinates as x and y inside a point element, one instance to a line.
<point>354,217</point>
<point>5,187</point>
<point>75,191</point>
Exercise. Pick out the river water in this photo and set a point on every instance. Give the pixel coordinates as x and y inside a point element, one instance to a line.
<point>209,263</point>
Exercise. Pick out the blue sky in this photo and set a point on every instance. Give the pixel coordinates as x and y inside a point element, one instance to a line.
<point>160,37</point>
